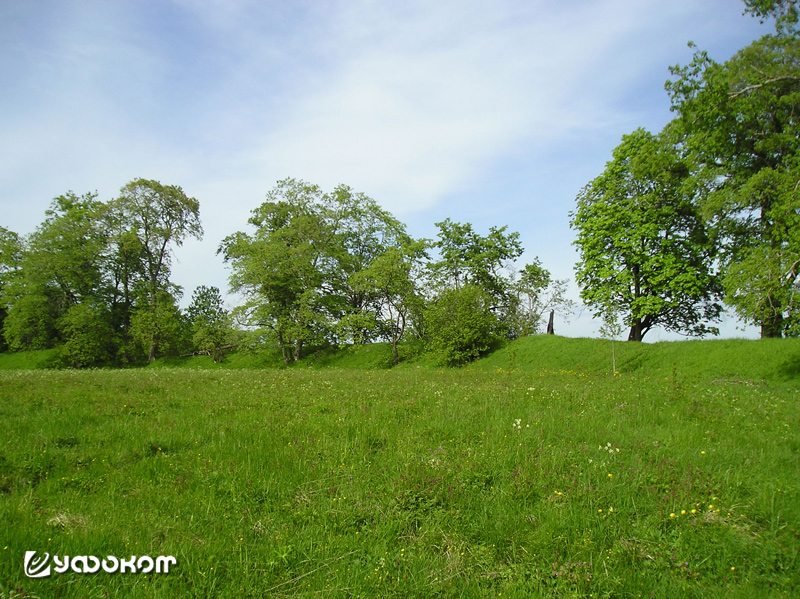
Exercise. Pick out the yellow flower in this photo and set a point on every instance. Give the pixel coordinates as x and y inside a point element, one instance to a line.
<point>672,515</point>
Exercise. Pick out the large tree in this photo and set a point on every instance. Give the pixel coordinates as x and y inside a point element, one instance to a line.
<point>296,270</point>
<point>644,250</point>
<point>61,265</point>
<point>152,218</point>
<point>741,123</point>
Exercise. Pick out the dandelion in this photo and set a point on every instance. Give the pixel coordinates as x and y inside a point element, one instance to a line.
<point>683,512</point>
<point>672,515</point>
<point>610,475</point>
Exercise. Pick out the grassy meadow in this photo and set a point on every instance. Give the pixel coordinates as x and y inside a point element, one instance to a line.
<point>535,472</point>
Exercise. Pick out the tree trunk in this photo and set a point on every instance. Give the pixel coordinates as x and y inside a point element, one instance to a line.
<point>394,351</point>
<point>151,354</point>
<point>298,348</point>
<point>550,329</point>
<point>772,326</point>
<point>636,331</point>
<point>284,353</point>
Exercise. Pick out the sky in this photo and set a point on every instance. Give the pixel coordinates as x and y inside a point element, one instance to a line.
<point>488,112</point>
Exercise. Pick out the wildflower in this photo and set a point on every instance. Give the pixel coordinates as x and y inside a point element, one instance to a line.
<point>683,512</point>
<point>672,515</point>
<point>610,475</point>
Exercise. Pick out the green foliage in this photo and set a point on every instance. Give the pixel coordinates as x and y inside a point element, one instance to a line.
<point>88,335</point>
<point>31,323</point>
<point>462,325</point>
<point>533,293</point>
<point>58,266</point>
<point>740,123</point>
<point>392,282</point>
<point>644,250</point>
<point>89,267</point>
<point>296,270</point>
<point>152,217</point>
<point>159,328</point>
<point>10,256</point>
<point>210,321</point>
<point>158,215</point>
<point>467,258</point>
<point>785,12</point>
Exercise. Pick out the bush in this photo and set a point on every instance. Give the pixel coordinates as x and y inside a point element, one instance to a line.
<point>88,337</point>
<point>461,325</point>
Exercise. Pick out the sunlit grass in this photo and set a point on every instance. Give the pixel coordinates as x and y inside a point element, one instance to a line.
<point>410,482</point>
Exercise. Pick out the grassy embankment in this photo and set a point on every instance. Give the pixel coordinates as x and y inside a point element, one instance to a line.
<point>534,472</point>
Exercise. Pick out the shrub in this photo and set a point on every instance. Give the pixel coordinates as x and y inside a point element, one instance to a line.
<point>462,325</point>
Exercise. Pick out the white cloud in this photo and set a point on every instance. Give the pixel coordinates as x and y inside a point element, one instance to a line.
<point>422,99</point>
<point>414,103</point>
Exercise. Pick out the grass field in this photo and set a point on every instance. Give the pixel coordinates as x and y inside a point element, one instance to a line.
<point>533,473</point>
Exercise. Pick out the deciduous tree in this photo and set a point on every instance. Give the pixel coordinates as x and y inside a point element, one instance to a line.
<point>392,282</point>
<point>296,269</point>
<point>643,247</point>
<point>741,123</point>
<point>210,321</point>
<point>154,218</point>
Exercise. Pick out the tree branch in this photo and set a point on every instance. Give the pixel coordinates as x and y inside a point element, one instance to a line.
<point>756,86</point>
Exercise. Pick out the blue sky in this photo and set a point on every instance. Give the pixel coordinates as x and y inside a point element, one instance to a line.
<point>494,113</point>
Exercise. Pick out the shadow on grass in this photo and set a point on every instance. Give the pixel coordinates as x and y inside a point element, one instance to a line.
<point>790,369</point>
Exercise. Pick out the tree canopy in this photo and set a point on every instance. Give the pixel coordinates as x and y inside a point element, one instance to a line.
<point>740,122</point>
<point>644,250</point>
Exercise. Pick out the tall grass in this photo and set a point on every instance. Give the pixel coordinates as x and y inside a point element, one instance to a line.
<point>489,481</point>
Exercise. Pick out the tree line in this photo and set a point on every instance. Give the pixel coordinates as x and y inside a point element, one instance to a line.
<point>708,210</point>
<point>318,269</point>
<point>704,213</point>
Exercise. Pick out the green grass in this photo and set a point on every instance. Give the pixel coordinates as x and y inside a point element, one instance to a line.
<point>533,473</point>
<point>717,359</point>
<point>29,360</point>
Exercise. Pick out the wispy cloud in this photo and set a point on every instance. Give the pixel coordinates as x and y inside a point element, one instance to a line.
<point>414,103</point>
